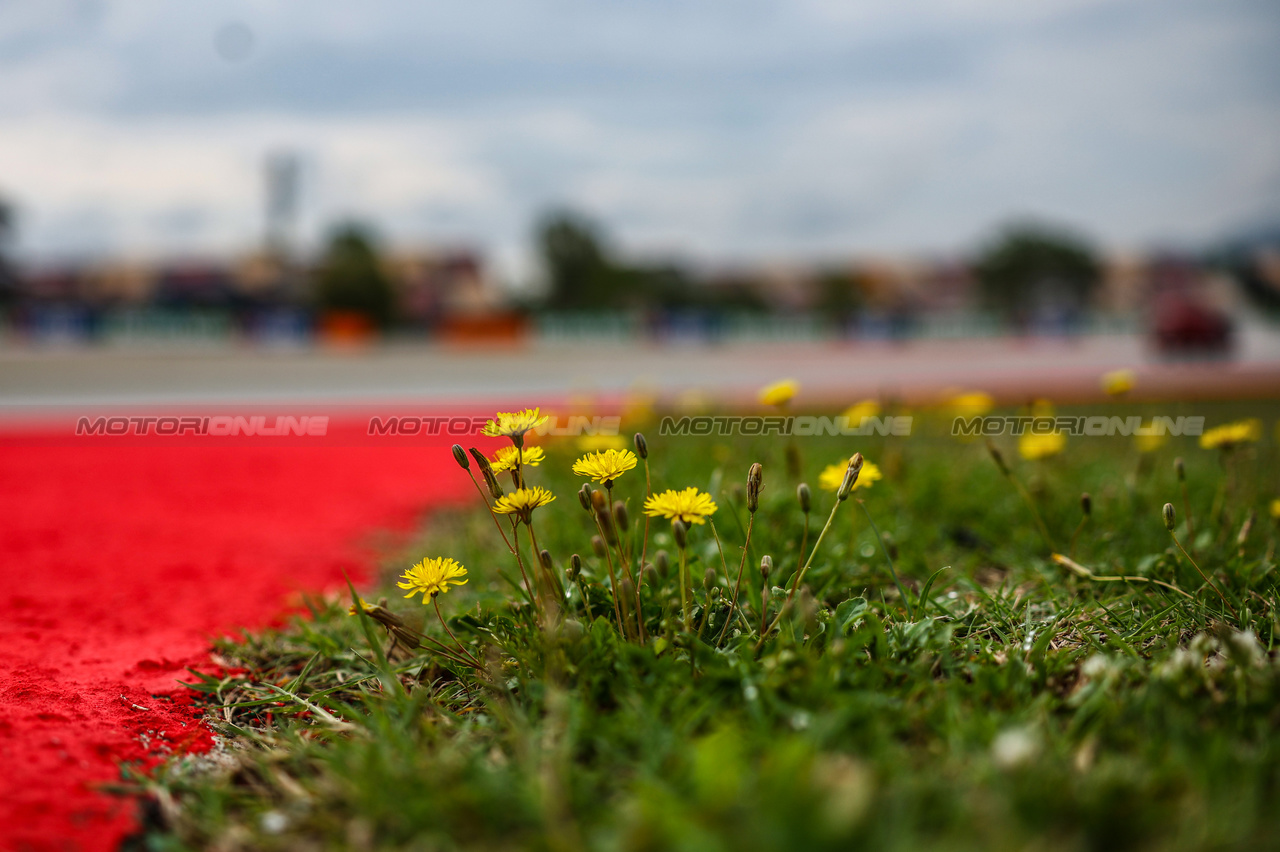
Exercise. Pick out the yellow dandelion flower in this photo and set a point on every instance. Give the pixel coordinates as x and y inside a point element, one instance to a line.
<point>1275,509</point>
<point>779,393</point>
<point>432,576</point>
<point>1151,443</point>
<point>1118,382</point>
<point>605,467</point>
<point>971,404</point>
<point>1032,447</point>
<point>1228,435</point>
<point>513,424</point>
<point>1041,408</point>
<point>596,443</point>
<point>505,458</point>
<point>832,476</point>
<point>523,501</point>
<point>689,505</point>
<point>859,410</point>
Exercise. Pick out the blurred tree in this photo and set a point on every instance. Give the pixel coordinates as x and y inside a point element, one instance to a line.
<point>577,264</point>
<point>584,274</point>
<point>839,295</point>
<point>351,279</point>
<point>8,275</point>
<point>1032,265</point>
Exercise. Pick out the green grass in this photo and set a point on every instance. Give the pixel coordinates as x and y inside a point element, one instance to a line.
<point>1022,707</point>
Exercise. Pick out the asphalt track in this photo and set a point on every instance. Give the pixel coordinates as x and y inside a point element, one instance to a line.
<point>833,373</point>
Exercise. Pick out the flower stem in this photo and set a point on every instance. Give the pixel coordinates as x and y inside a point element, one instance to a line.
<point>1205,576</point>
<point>492,513</point>
<point>1071,549</point>
<point>795,584</point>
<point>614,589</point>
<point>535,591</point>
<point>644,551</point>
<point>684,599</point>
<point>1081,571</point>
<point>737,586</point>
<point>1031,504</point>
<point>889,559</point>
<point>436,602</point>
<point>553,582</point>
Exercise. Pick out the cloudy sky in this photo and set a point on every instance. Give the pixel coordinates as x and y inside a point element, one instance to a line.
<point>720,130</point>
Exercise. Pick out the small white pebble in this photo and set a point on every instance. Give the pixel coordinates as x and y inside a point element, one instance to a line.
<point>274,822</point>
<point>1013,748</point>
<point>1096,666</point>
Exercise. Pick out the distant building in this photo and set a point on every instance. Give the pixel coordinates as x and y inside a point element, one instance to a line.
<point>433,286</point>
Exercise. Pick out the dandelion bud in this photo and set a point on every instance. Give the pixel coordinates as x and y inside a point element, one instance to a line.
<point>998,458</point>
<point>599,501</point>
<point>808,610</point>
<point>584,496</point>
<point>460,456</point>
<point>850,476</point>
<point>544,556</point>
<point>575,567</point>
<point>481,461</point>
<point>680,533</point>
<point>662,563</point>
<point>1246,528</point>
<point>709,579</point>
<point>1180,469</point>
<point>495,488</point>
<point>1169,518</point>
<point>605,520</point>
<point>793,461</point>
<point>766,568</point>
<point>620,516</point>
<point>597,546</point>
<point>755,481</point>
<point>642,446</point>
<point>713,595</point>
<point>649,575</point>
<point>628,590</point>
<point>1086,504</point>
<point>805,496</point>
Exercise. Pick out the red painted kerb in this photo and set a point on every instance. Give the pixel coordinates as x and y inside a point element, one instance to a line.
<point>120,561</point>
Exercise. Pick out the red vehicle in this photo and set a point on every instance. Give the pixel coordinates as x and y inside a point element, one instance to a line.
<point>1184,324</point>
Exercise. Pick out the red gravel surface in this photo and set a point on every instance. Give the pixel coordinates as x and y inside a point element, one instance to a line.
<point>119,562</point>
